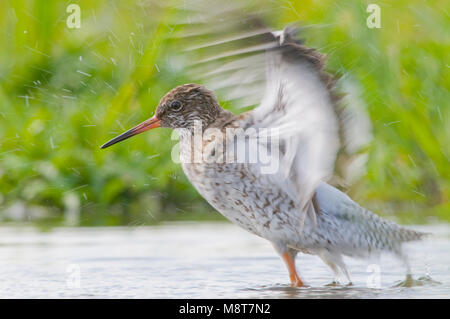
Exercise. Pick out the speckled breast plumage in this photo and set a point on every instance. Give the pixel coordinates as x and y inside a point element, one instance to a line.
<point>242,195</point>
<point>247,198</point>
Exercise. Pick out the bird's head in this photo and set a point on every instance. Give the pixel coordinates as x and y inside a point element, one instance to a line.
<point>182,107</point>
<point>188,103</point>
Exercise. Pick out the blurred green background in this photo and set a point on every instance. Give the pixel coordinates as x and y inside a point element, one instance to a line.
<point>64,92</point>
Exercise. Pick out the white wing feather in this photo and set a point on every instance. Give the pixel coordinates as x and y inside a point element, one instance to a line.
<point>298,105</point>
<point>285,79</point>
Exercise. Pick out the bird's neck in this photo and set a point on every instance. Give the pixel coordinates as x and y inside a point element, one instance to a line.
<point>223,120</point>
<point>194,140</point>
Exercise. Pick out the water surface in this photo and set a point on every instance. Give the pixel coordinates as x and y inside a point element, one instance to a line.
<point>199,260</point>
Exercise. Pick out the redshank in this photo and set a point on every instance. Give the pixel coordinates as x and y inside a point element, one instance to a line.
<point>291,204</point>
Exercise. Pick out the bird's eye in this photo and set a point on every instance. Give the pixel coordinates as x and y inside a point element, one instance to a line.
<point>176,105</point>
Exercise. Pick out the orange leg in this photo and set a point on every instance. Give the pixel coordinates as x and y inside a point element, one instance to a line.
<point>290,264</point>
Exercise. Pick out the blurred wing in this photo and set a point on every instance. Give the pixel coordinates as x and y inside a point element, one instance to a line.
<point>298,107</point>
<point>244,61</point>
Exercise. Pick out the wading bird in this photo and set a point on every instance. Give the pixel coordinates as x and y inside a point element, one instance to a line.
<point>293,206</point>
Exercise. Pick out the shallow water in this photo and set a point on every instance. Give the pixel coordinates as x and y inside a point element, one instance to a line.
<point>199,260</point>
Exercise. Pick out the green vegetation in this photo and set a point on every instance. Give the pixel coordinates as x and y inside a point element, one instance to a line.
<point>64,92</point>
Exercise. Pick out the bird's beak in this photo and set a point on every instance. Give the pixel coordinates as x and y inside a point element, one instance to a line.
<point>144,126</point>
